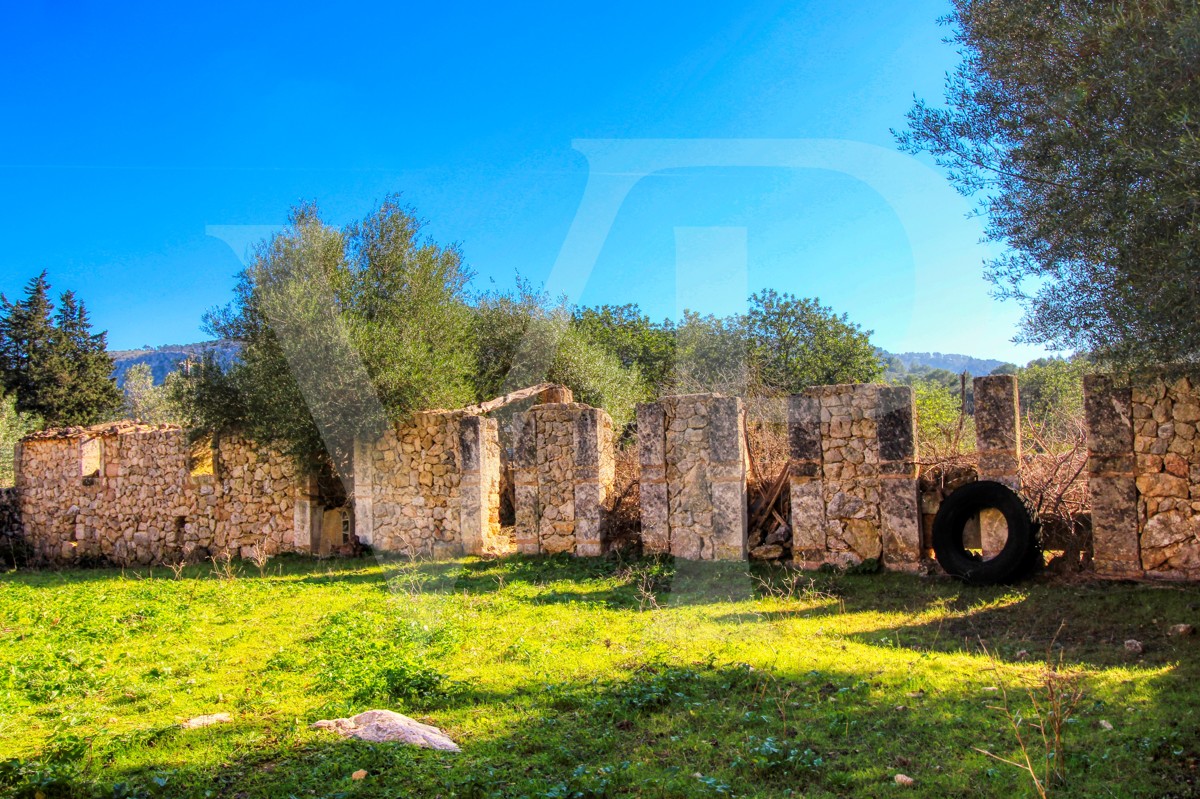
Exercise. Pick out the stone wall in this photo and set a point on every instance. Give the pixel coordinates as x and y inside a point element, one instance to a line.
<point>126,494</point>
<point>431,487</point>
<point>1144,478</point>
<point>563,477</point>
<point>692,451</point>
<point>853,477</point>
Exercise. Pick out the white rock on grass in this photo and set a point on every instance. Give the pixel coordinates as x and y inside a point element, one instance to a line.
<point>206,721</point>
<point>379,726</point>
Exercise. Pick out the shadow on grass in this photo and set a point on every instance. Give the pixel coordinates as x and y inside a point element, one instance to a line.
<point>683,730</point>
<point>1088,624</point>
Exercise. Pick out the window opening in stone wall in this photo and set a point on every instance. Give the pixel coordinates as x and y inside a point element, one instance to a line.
<point>346,527</point>
<point>91,454</point>
<point>201,458</point>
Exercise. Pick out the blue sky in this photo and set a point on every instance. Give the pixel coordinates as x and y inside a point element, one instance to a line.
<point>674,155</point>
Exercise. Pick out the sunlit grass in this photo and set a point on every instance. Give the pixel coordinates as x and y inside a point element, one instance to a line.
<point>564,678</point>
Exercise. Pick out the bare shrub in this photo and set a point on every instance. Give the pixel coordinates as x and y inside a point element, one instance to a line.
<point>624,518</point>
<point>1054,483</point>
<point>1054,693</point>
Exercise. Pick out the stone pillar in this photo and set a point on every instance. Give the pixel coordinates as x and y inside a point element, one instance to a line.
<point>563,477</point>
<point>693,481</point>
<point>479,462</point>
<point>1112,472</point>
<point>364,493</point>
<point>804,477</point>
<point>899,504</point>
<point>652,482</point>
<point>998,442</point>
<point>727,478</point>
<point>306,515</point>
<point>525,484</point>
<point>595,471</point>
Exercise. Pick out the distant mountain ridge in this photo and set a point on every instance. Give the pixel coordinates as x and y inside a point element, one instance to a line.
<point>167,358</point>
<point>950,361</point>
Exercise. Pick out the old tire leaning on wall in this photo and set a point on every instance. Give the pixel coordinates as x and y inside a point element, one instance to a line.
<point>1022,552</point>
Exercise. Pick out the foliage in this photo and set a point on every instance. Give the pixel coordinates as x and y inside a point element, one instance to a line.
<point>1076,124</point>
<point>796,343</point>
<point>524,338</point>
<point>942,429</point>
<point>783,344</point>
<point>50,359</point>
<point>1051,392</point>
<point>630,335</point>
<point>556,684</point>
<point>712,354</point>
<point>14,425</point>
<point>341,331</point>
<point>150,403</point>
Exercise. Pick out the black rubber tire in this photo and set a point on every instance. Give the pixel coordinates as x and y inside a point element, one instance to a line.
<point>1021,554</point>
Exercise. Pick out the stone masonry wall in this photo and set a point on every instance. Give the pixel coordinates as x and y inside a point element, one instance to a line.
<point>431,487</point>
<point>693,458</point>
<point>853,477</point>
<point>563,477</point>
<point>125,494</point>
<point>1144,478</point>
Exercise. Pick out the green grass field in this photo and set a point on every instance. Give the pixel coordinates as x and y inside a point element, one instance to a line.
<point>564,678</point>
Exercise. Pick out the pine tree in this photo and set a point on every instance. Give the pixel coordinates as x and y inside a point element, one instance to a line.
<point>52,362</point>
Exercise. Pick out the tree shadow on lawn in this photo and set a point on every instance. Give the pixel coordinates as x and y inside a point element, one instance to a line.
<point>1087,624</point>
<point>696,730</point>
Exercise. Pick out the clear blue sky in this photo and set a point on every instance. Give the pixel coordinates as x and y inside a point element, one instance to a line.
<point>138,144</point>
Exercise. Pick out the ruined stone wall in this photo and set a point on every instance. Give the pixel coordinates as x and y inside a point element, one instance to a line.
<point>431,487</point>
<point>127,495</point>
<point>853,477</point>
<point>564,469</point>
<point>1144,478</point>
<point>692,450</point>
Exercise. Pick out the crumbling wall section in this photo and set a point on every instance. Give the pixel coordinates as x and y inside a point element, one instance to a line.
<point>126,494</point>
<point>692,450</point>
<point>564,470</point>
<point>431,487</point>
<point>853,477</point>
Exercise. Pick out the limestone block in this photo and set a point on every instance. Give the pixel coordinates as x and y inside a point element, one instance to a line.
<point>651,419</point>
<point>655,527</point>
<point>808,522</point>
<point>1107,416</point>
<point>1114,524</point>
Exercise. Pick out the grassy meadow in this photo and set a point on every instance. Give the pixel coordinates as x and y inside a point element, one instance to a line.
<point>591,678</point>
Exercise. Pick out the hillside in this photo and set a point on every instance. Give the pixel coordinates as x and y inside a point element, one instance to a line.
<point>167,358</point>
<point>952,362</point>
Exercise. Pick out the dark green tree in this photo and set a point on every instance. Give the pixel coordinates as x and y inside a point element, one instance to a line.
<point>630,335</point>
<point>1076,124</point>
<point>52,362</point>
<point>796,343</point>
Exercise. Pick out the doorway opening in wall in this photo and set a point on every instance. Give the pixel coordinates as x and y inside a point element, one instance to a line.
<point>337,532</point>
